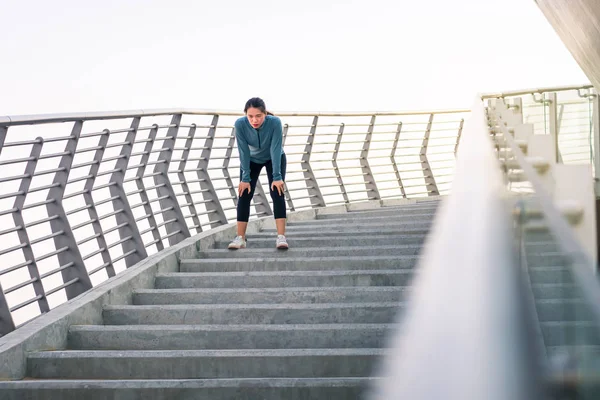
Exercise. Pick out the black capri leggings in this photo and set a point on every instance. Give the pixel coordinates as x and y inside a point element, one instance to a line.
<point>243,206</point>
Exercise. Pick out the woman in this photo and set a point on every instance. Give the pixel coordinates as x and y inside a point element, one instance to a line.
<point>259,140</point>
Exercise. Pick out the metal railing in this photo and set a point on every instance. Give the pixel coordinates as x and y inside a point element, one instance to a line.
<point>469,331</point>
<point>84,196</point>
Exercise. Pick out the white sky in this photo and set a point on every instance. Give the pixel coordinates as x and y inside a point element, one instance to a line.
<point>68,55</point>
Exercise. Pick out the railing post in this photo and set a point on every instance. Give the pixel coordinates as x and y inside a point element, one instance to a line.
<point>134,249</point>
<point>393,159</point>
<point>181,175</point>
<point>139,182</point>
<point>209,194</point>
<point>77,273</point>
<point>89,201</point>
<point>553,123</point>
<point>316,197</point>
<point>368,177</point>
<point>336,169</point>
<point>286,193</point>
<point>460,128</point>
<point>596,144</point>
<point>427,172</point>
<point>226,160</point>
<point>3,131</point>
<point>34,272</point>
<point>177,229</point>
<point>7,324</point>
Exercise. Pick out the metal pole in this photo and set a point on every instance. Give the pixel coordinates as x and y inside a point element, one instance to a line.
<point>213,204</point>
<point>89,201</point>
<point>553,123</point>
<point>181,175</point>
<point>286,193</point>
<point>139,182</point>
<point>177,230</point>
<point>460,128</point>
<point>34,272</point>
<point>226,174</point>
<point>316,197</point>
<point>430,184</point>
<point>336,169</point>
<point>77,273</point>
<point>370,184</point>
<point>134,248</point>
<point>393,160</point>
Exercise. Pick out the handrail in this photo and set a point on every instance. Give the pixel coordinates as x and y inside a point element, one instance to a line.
<point>462,336</point>
<point>521,92</point>
<point>86,116</point>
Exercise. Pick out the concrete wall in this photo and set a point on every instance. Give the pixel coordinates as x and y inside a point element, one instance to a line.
<point>577,23</point>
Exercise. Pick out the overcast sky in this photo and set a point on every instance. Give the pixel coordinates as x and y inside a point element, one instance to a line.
<point>67,55</point>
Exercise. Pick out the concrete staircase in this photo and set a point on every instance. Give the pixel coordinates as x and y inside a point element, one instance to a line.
<point>258,323</point>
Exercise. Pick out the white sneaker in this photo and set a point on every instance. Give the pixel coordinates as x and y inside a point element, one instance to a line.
<point>237,243</point>
<point>281,243</point>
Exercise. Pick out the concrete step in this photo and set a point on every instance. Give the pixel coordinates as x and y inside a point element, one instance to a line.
<point>203,364</point>
<point>188,389</point>
<point>199,337</point>
<point>555,291</point>
<point>278,279</point>
<point>382,212</point>
<point>538,247</point>
<point>366,225</point>
<point>552,275</point>
<point>565,310</point>
<point>241,314</point>
<point>368,294</point>
<point>350,219</point>
<point>308,252</point>
<point>568,333</point>
<point>546,259</point>
<point>327,232</point>
<point>586,358</point>
<point>258,263</point>
<point>334,241</point>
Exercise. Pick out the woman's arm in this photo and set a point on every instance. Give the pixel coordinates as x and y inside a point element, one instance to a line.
<point>244,152</point>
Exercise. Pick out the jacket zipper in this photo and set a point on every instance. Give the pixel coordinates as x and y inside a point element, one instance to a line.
<point>258,133</point>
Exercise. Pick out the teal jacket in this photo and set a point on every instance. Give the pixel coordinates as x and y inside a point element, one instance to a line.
<point>259,145</point>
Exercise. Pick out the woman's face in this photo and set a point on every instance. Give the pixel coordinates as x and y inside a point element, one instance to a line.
<point>255,117</point>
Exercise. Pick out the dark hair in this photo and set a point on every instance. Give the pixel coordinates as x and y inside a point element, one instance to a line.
<point>257,102</point>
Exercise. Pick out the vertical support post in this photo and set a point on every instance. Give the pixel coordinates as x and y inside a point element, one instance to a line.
<point>226,160</point>
<point>177,230</point>
<point>89,201</point>
<point>553,123</point>
<point>77,273</point>
<point>7,324</point>
<point>393,159</point>
<point>213,204</point>
<point>181,175</point>
<point>316,197</point>
<point>368,177</point>
<point>34,273</point>
<point>286,193</point>
<point>3,132</point>
<point>139,182</point>
<point>134,248</point>
<point>460,128</point>
<point>596,131</point>
<point>430,184</point>
<point>336,169</point>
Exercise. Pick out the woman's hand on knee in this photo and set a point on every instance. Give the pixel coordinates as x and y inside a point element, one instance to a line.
<point>242,188</point>
<point>279,186</point>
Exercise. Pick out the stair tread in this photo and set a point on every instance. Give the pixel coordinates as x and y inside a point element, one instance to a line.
<point>289,273</point>
<point>253,306</point>
<point>220,353</point>
<point>277,289</point>
<point>238,327</point>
